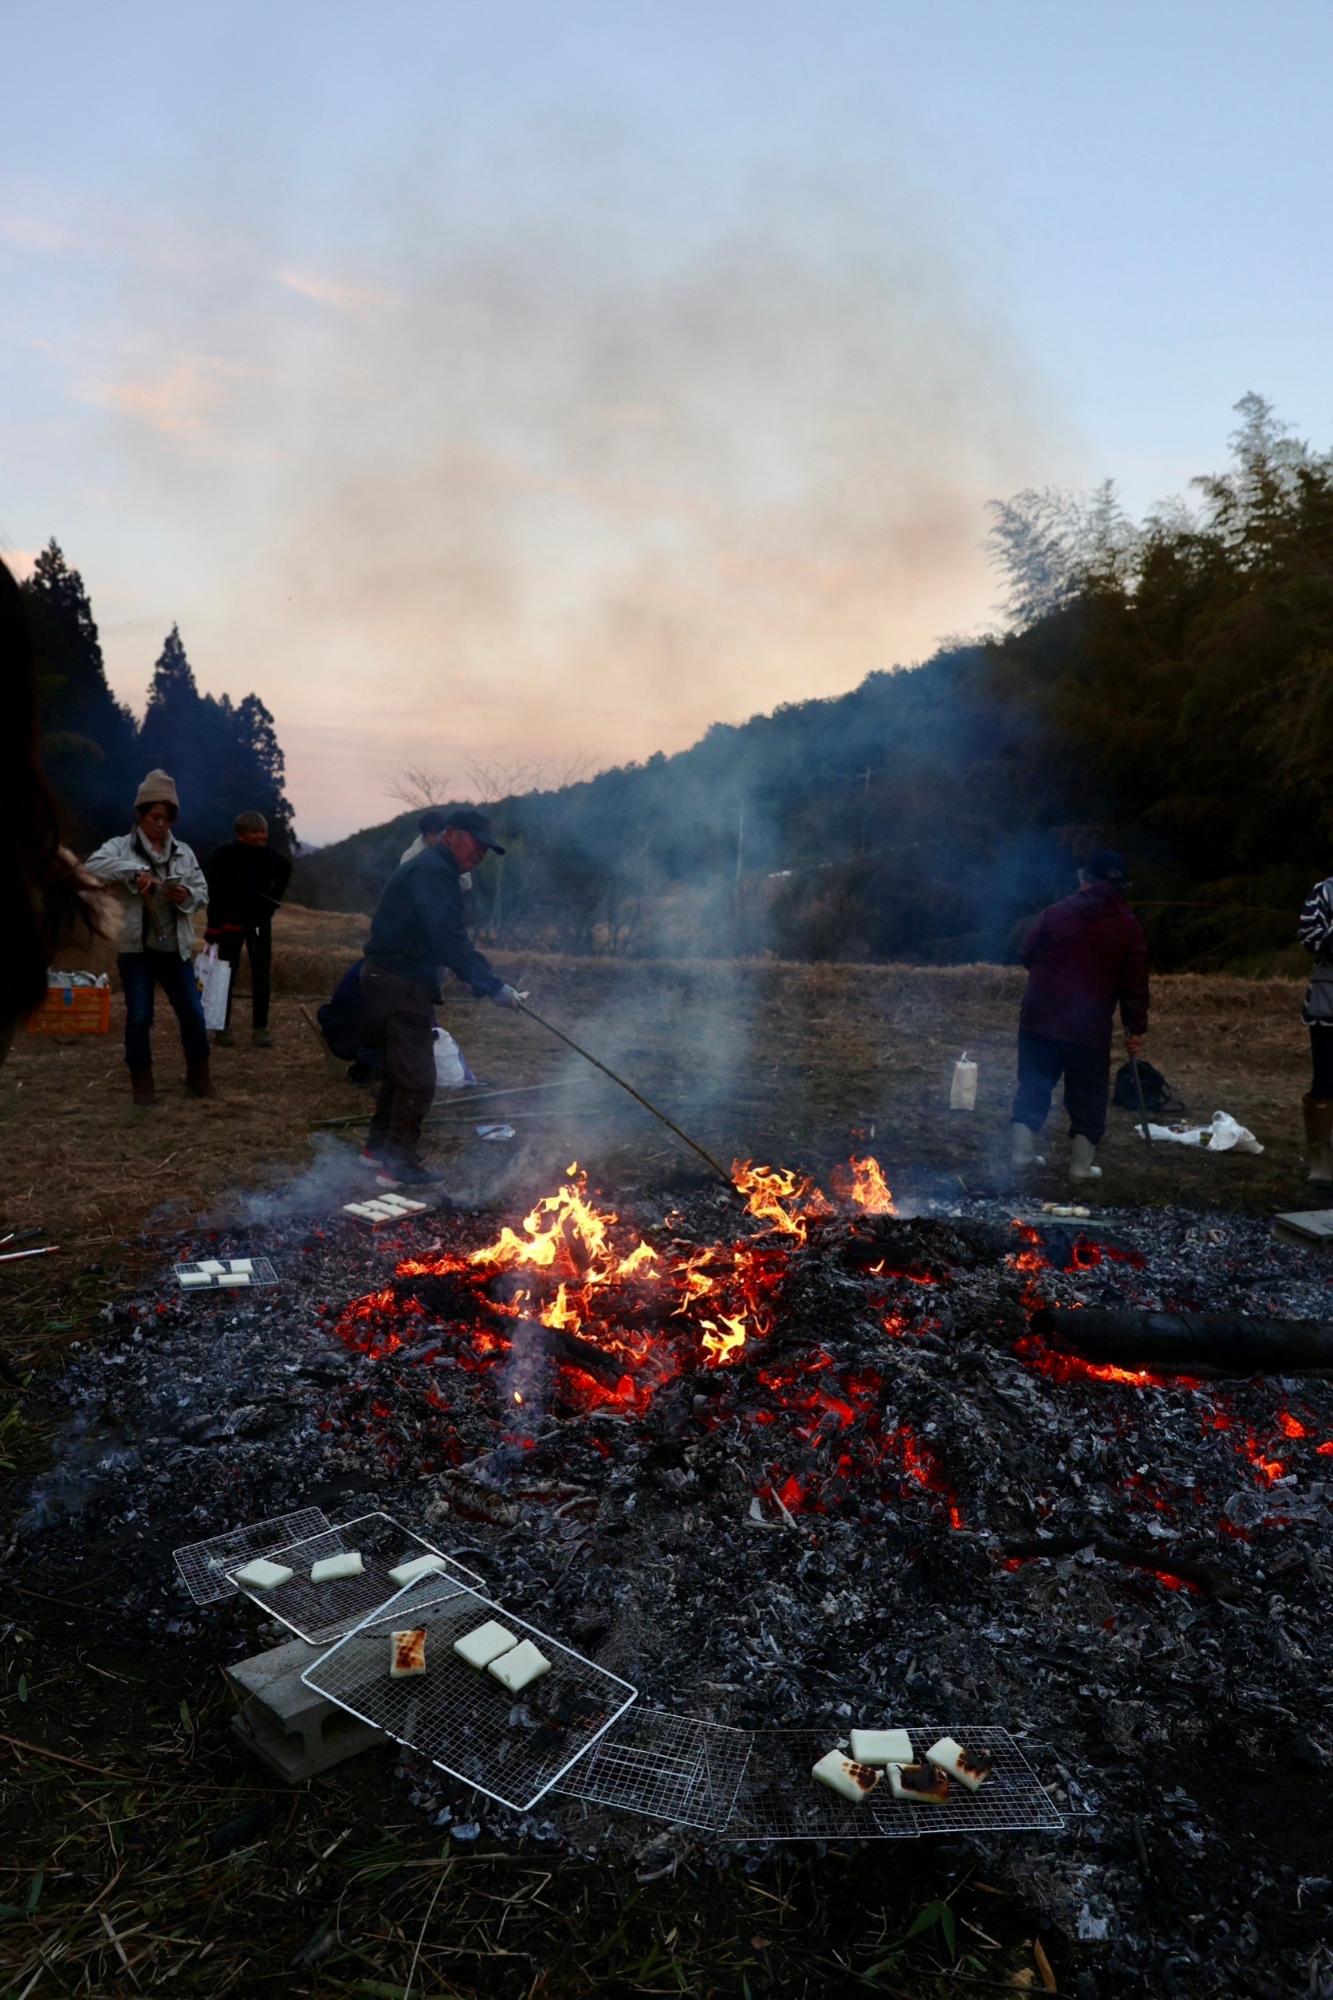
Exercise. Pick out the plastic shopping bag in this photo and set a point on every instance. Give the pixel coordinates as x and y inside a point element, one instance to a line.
<point>213,978</point>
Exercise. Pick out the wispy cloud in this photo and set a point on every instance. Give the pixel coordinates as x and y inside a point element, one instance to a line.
<point>30,232</point>
<point>358,301</point>
<point>189,403</point>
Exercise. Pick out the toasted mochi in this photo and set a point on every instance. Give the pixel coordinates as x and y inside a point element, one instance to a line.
<point>242,1265</point>
<point>881,1746</point>
<point>970,1767</point>
<point>330,1568</point>
<point>407,1654</point>
<point>485,1643</point>
<point>520,1666</point>
<point>233,1278</point>
<point>262,1574</point>
<point>196,1277</point>
<point>408,1572</point>
<point>919,1784</point>
<point>212,1267</point>
<point>845,1776</point>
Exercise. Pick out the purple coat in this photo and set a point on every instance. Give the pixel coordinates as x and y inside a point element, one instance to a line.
<point>1086,956</point>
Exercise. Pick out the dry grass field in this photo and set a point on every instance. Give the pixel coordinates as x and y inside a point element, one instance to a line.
<point>792,1064</point>
<point>139,1851</point>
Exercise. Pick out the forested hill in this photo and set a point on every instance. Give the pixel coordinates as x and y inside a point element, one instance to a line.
<point>1165,687</point>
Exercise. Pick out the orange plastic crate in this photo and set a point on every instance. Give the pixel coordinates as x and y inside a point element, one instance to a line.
<point>72,1010</point>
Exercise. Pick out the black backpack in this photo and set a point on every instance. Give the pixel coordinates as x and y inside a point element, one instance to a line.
<point>1157,1095</point>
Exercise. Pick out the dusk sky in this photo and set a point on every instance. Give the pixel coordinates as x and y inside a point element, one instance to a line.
<point>504,383</point>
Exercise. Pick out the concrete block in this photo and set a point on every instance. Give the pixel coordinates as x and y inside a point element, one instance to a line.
<point>289,1727</point>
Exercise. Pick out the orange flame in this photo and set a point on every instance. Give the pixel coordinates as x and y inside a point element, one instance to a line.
<point>786,1201</point>
<point>869,1189</point>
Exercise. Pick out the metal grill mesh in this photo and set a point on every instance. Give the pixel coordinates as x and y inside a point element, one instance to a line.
<point>261,1272</point>
<point>779,1800</point>
<point>512,1748</point>
<point>670,1767</point>
<point>204,1565</point>
<point>322,1611</point>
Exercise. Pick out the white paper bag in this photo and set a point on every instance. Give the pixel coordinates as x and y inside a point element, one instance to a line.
<point>963,1087</point>
<point>449,1073</point>
<point>213,978</point>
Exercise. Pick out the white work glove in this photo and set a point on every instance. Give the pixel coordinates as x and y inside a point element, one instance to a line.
<point>505,996</point>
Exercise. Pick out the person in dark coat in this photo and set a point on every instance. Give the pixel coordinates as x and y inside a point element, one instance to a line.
<point>1086,957</point>
<point>247,880</point>
<point>417,927</point>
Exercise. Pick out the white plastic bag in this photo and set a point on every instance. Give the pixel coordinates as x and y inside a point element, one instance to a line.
<point>449,1072</point>
<point>1223,1135</point>
<point>213,978</point>
<point>963,1089</point>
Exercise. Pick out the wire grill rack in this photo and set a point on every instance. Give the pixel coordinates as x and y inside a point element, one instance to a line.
<point>223,1274</point>
<point>780,1801</point>
<point>204,1565</point>
<point>512,1748</point>
<point>670,1767</point>
<point>321,1611</point>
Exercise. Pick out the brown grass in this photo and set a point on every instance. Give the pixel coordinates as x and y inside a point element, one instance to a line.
<point>823,1052</point>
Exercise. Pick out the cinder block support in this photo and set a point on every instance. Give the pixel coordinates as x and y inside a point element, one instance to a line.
<point>289,1727</point>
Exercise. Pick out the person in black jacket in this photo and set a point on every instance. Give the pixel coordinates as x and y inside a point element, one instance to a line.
<point>417,927</point>
<point>247,880</point>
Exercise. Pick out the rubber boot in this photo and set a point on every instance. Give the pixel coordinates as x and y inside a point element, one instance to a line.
<point>141,1084</point>
<point>223,1038</point>
<point>261,1039</point>
<point>1023,1148</point>
<point>1083,1160</point>
<point>1318,1135</point>
<point>198,1081</point>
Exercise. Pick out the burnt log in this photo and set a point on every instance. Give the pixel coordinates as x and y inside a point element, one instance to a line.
<point>1159,1559</point>
<point>1233,1343</point>
<point>531,1338</point>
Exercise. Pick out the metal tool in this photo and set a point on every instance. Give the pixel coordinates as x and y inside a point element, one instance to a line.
<point>638,1096</point>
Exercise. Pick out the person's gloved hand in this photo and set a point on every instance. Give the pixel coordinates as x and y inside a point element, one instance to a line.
<point>505,996</point>
<point>1134,1044</point>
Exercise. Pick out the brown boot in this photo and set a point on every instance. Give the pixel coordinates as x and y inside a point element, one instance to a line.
<point>198,1081</point>
<point>141,1084</point>
<point>1318,1138</point>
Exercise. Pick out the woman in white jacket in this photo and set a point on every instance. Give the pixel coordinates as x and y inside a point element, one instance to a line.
<point>160,886</point>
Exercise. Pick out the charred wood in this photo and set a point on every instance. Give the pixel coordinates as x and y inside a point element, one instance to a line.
<point>1236,1343</point>
<point>1207,1577</point>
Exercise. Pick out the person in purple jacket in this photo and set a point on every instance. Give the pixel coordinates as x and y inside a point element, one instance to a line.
<point>1085,957</point>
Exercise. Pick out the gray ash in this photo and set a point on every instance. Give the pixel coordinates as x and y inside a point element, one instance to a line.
<point>889,1499</point>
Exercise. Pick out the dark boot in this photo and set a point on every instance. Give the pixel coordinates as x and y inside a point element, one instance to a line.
<point>198,1081</point>
<point>1318,1141</point>
<point>141,1084</point>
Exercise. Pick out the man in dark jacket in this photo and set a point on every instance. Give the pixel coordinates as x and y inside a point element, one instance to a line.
<point>247,880</point>
<point>1085,957</point>
<point>417,927</point>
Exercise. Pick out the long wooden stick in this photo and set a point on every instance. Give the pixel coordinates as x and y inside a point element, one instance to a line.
<point>638,1096</point>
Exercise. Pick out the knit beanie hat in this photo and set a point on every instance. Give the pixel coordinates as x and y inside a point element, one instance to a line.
<point>158,788</point>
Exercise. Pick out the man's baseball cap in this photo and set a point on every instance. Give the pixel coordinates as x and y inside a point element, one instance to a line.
<point>468,820</point>
<point>1105,865</point>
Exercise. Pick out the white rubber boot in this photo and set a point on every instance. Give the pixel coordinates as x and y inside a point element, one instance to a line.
<point>1023,1142</point>
<point>1083,1161</point>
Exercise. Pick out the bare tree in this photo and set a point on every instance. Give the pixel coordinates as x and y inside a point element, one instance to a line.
<point>418,789</point>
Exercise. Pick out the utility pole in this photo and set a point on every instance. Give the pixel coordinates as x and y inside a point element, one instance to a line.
<point>740,839</point>
<point>865,806</point>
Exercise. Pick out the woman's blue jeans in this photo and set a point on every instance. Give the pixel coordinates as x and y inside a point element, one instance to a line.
<point>141,973</point>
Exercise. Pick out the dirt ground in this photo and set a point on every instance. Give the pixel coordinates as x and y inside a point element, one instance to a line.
<point>140,1850</point>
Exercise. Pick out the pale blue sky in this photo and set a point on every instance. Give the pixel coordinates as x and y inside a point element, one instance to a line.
<point>496,382</point>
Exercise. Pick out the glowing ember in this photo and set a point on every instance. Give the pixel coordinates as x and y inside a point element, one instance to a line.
<point>1061,1367</point>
